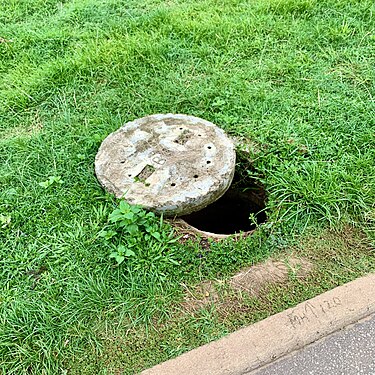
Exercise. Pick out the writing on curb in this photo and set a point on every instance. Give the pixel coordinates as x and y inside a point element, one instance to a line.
<point>309,311</point>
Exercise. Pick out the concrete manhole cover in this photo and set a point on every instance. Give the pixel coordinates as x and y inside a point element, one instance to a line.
<point>170,164</point>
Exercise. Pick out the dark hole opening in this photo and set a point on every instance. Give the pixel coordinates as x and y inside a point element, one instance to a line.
<point>230,214</point>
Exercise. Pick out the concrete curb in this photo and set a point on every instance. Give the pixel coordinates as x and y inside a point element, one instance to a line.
<point>263,342</point>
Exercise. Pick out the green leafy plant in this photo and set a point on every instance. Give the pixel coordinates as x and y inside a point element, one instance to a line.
<point>52,180</point>
<point>121,253</point>
<point>138,237</point>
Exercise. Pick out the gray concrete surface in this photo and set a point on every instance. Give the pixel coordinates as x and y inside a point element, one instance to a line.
<point>350,351</point>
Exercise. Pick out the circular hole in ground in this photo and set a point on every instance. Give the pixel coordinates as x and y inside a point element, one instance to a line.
<point>208,162</point>
<point>195,176</point>
<point>231,213</point>
<point>173,184</point>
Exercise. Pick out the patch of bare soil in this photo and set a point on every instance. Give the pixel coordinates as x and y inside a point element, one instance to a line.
<point>202,295</point>
<point>253,279</point>
<point>227,295</point>
<point>24,131</point>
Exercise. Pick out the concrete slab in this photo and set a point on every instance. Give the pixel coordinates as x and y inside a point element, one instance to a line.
<point>261,343</point>
<point>170,164</point>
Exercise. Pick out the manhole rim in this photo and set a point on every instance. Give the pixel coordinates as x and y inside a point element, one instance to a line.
<point>183,225</point>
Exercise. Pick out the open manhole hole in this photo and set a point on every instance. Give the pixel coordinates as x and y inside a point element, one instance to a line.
<point>239,210</point>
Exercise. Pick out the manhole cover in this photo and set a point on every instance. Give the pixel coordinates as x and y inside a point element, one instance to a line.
<point>171,164</point>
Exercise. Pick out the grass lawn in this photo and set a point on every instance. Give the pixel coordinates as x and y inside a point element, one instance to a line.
<point>296,77</point>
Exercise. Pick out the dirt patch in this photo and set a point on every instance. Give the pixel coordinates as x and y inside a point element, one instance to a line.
<point>24,131</point>
<point>253,279</point>
<point>200,296</point>
<point>186,234</point>
<point>228,295</point>
<point>355,239</point>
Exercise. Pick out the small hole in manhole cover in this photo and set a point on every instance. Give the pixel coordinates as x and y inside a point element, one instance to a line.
<point>230,214</point>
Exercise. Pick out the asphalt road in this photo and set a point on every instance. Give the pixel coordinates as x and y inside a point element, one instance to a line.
<point>347,352</point>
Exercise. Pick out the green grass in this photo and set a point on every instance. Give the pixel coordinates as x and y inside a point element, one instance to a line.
<point>294,76</point>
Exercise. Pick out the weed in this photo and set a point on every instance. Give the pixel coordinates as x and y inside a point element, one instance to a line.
<point>53,180</point>
<point>140,237</point>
